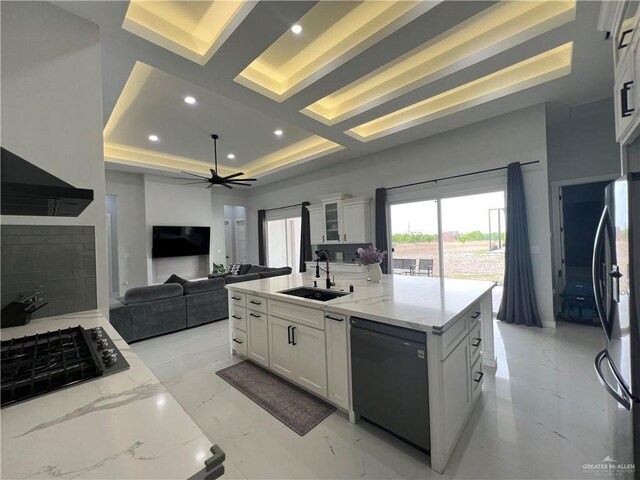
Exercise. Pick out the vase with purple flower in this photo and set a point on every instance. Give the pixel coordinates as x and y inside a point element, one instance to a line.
<point>371,257</point>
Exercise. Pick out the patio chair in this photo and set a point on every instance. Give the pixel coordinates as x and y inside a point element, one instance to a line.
<point>397,265</point>
<point>409,265</point>
<point>425,265</point>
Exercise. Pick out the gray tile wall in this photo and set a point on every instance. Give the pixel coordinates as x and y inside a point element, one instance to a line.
<point>60,258</point>
<point>348,250</point>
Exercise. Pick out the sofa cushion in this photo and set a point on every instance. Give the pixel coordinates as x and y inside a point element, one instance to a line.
<point>176,279</point>
<point>218,275</point>
<point>244,269</point>
<point>203,285</point>
<point>276,272</point>
<point>152,292</point>
<point>241,278</point>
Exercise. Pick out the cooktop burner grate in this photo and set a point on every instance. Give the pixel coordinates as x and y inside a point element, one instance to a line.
<point>37,364</point>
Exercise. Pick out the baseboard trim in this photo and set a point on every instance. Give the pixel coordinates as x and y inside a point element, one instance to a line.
<point>546,324</point>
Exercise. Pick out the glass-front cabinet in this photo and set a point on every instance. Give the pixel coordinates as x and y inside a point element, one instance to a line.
<point>332,222</point>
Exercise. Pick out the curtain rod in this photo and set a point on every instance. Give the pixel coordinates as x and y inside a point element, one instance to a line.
<point>286,206</point>
<point>436,180</point>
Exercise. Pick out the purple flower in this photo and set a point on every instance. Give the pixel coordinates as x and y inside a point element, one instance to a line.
<point>369,255</point>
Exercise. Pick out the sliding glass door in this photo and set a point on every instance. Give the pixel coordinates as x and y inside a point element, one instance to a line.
<point>454,237</point>
<point>283,242</point>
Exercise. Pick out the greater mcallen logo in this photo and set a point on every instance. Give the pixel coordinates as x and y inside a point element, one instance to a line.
<point>609,466</point>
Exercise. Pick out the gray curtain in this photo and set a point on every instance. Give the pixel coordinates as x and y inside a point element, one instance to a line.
<point>381,226</point>
<point>262,237</point>
<point>518,303</point>
<point>305,237</point>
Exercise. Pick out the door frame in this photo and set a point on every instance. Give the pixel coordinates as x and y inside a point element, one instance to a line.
<point>557,243</point>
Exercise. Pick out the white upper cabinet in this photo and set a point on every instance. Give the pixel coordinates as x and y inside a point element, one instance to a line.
<point>340,219</point>
<point>626,49</point>
<point>356,217</point>
<point>316,223</point>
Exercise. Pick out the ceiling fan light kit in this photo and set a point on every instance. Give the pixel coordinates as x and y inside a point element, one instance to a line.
<point>228,181</point>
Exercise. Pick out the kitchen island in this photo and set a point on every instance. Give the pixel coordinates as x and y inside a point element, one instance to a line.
<point>308,342</point>
<point>125,425</point>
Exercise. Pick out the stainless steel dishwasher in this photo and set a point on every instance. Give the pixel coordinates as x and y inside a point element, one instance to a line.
<point>389,379</point>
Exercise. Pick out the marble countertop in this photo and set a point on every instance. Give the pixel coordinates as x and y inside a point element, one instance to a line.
<point>421,303</point>
<point>122,426</point>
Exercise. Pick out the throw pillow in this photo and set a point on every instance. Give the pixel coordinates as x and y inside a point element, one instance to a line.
<point>176,279</point>
<point>244,269</point>
<point>234,268</point>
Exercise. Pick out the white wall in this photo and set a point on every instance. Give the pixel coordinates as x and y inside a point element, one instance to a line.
<point>147,200</point>
<point>52,109</point>
<point>132,254</point>
<point>515,137</point>
<point>583,142</point>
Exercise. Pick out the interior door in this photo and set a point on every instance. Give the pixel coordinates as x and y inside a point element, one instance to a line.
<point>228,243</point>
<point>241,241</point>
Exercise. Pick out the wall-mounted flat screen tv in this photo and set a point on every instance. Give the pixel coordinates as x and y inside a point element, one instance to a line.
<point>180,241</point>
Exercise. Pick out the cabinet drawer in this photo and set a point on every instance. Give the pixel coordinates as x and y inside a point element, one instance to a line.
<point>452,337</point>
<point>238,318</point>
<point>237,298</point>
<point>477,378</point>
<point>239,342</point>
<point>296,313</point>
<point>474,316</point>
<point>475,341</point>
<point>257,304</point>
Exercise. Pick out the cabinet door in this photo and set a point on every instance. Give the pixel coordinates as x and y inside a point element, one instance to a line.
<point>355,218</point>
<point>455,392</point>
<point>281,353</point>
<point>258,339</point>
<point>332,223</point>
<point>310,369</point>
<point>316,225</point>
<point>337,366</point>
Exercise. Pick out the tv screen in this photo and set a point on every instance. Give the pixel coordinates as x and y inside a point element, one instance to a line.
<point>180,241</point>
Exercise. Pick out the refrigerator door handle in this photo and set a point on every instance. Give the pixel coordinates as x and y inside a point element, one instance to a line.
<point>620,397</point>
<point>597,271</point>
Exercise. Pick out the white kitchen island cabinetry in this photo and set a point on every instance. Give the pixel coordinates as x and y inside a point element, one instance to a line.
<point>308,342</point>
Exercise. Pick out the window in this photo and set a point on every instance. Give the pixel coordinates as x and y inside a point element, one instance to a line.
<point>283,238</point>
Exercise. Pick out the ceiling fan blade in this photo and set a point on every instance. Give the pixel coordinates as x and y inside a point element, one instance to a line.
<point>247,179</point>
<point>196,183</point>
<point>233,175</point>
<point>189,173</point>
<point>209,186</point>
<point>226,186</point>
<point>235,182</point>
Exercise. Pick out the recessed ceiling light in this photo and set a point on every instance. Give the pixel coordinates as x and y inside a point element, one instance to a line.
<point>154,138</point>
<point>278,132</point>
<point>296,29</point>
<point>231,156</point>
<point>190,100</point>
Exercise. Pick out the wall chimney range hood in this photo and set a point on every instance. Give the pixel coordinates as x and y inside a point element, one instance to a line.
<point>29,190</point>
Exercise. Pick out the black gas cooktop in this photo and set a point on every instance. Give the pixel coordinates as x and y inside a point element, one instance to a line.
<point>37,364</point>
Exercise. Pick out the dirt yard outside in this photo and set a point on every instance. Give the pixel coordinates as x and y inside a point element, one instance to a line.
<point>467,260</point>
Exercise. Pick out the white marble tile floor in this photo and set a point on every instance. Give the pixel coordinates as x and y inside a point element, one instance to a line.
<point>542,414</point>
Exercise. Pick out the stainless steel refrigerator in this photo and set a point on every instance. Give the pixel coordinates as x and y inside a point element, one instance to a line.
<point>616,283</point>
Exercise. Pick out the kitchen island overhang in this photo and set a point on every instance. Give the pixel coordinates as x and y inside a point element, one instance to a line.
<point>455,315</point>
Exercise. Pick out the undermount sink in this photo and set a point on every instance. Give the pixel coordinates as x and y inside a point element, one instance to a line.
<point>313,294</point>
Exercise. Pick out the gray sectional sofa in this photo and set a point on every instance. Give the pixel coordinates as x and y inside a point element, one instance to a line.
<point>145,312</point>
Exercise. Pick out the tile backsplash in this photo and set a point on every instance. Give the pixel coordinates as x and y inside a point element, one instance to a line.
<point>348,251</point>
<point>62,259</point>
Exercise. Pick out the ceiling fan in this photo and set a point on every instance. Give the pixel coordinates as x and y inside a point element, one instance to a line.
<point>228,182</point>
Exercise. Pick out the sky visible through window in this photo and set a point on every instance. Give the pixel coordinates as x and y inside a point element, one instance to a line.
<point>462,214</point>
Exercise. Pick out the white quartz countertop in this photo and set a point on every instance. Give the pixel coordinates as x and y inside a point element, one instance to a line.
<point>421,303</point>
<point>121,426</point>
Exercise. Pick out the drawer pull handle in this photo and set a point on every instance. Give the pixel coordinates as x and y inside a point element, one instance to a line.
<point>236,298</point>
<point>476,342</point>
<point>334,318</point>
<point>255,303</point>
<point>255,315</point>
<point>475,315</point>
<point>236,317</point>
<point>237,341</point>
<point>479,377</point>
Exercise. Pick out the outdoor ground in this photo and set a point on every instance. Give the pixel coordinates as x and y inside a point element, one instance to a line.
<point>468,260</point>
